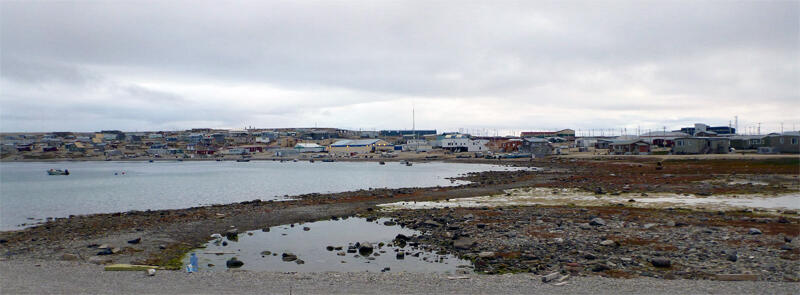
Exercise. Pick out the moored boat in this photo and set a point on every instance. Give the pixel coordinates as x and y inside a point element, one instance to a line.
<point>57,172</point>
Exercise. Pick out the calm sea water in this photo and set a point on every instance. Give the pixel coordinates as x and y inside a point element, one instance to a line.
<point>28,194</point>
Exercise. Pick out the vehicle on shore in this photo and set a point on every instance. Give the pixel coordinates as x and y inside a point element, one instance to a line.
<point>57,172</point>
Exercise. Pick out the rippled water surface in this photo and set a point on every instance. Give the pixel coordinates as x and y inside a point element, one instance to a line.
<point>28,194</point>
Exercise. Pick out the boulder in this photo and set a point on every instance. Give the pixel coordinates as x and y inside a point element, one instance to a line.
<point>232,234</point>
<point>288,257</point>
<point>389,223</point>
<point>754,231</point>
<point>660,262</point>
<point>402,237</point>
<point>401,254</point>
<point>597,221</point>
<point>105,251</point>
<point>365,248</point>
<point>608,243</point>
<point>464,243</point>
<point>234,263</point>
<point>135,241</point>
<point>733,257</point>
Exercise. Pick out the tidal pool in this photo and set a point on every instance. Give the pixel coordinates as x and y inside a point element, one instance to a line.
<point>263,250</point>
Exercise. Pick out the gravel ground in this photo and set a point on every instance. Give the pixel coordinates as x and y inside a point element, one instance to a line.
<point>24,277</point>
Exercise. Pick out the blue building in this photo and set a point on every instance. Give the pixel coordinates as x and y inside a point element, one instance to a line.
<point>407,132</point>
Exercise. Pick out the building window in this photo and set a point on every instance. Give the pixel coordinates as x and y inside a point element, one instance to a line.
<point>794,140</point>
<point>781,140</point>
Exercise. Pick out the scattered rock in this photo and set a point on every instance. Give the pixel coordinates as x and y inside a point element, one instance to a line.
<point>464,243</point>
<point>135,241</point>
<point>660,262</point>
<point>431,223</point>
<point>305,228</point>
<point>733,256</point>
<point>486,254</point>
<point>69,257</point>
<point>754,231</point>
<point>234,263</point>
<point>597,222</point>
<point>389,223</point>
<point>266,253</point>
<point>288,257</point>
<point>608,243</point>
<point>365,248</point>
<point>232,234</point>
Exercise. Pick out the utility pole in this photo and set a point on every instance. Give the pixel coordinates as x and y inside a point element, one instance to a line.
<point>737,122</point>
<point>759,128</point>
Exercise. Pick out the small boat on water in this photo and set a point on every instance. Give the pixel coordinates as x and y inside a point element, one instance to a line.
<point>382,163</point>
<point>243,160</point>
<point>311,161</point>
<point>327,160</point>
<point>408,163</point>
<point>57,172</point>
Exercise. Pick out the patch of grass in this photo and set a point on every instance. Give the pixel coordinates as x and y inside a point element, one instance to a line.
<point>172,257</point>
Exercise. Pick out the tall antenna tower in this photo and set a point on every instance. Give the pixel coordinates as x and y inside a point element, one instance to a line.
<point>737,122</point>
<point>413,118</point>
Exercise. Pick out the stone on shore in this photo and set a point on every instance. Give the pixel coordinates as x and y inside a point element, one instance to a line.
<point>661,262</point>
<point>464,243</point>
<point>234,263</point>
<point>232,234</point>
<point>597,222</point>
<point>69,257</point>
<point>288,257</point>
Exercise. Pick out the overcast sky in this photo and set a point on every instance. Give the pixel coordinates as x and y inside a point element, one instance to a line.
<point>500,65</point>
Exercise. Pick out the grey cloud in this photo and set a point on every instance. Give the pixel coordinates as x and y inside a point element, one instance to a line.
<point>570,55</point>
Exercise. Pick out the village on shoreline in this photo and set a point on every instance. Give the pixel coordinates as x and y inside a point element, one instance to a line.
<point>611,236</point>
<point>330,143</point>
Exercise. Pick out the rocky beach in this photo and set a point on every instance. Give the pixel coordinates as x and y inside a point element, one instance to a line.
<point>615,240</point>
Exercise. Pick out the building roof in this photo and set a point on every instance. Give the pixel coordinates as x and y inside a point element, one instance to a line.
<point>627,141</point>
<point>535,139</point>
<point>664,134</point>
<point>355,142</point>
<point>307,145</point>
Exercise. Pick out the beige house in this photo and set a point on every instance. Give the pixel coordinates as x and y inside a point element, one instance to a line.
<point>361,146</point>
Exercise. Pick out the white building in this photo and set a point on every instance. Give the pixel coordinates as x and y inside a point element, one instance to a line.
<point>462,143</point>
<point>417,145</point>
<point>309,148</point>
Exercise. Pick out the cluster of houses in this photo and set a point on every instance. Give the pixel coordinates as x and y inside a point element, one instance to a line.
<point>700,139</point>
<point>292,142</point>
